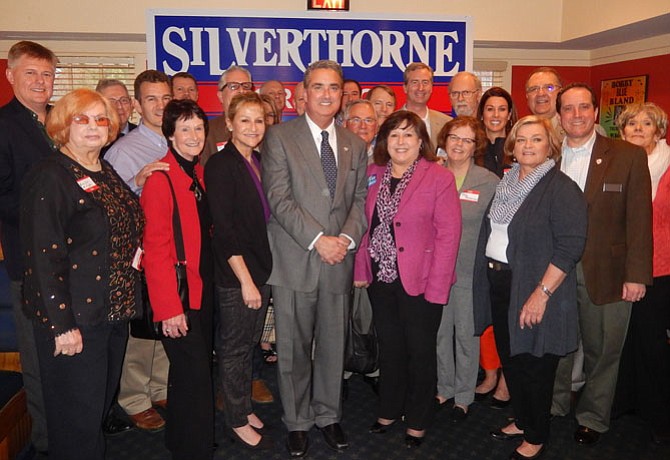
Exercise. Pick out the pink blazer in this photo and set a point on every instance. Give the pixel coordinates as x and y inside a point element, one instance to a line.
<point>427,231</point>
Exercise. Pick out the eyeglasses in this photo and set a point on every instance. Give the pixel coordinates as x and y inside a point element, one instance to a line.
<point>358,120</point>
<point>466,140</point>
<point>465,94</point>
<point>235,85</point>
<point>85,119</point>
<point>121,100</point>
<point>547,88</point>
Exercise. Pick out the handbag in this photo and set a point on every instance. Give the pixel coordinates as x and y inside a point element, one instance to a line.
<point>145,327</point>
<point>361,349</point>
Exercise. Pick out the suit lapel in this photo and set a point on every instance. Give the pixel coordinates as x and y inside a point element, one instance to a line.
<point>310,154</point>
<point>597,167</point>
<point>417,177</point>
<point>344,161</point>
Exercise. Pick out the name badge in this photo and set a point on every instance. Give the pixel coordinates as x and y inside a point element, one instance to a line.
<point>87,184</point>
<point>470,195</point>
<point>372,180</point>
<point>220,146</point>
<point>137,259</point>
<point>612,187</point>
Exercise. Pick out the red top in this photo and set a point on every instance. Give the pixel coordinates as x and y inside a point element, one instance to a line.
<point>661,229</point>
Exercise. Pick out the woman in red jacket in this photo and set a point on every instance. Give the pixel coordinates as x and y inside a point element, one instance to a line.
<point>187,331</point>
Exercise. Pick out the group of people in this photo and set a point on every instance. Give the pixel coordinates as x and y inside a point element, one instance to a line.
<point>481,240</point>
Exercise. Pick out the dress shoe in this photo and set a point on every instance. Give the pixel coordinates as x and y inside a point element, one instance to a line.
<point>380,428</point>
<point>148,420</point>
<point>265,443</point>
<point>334,437</point>
<point>373,382</point>
<point>113,425</point>
<point>586,436</point>
<point>458,414</point>
<point>162,403</point>
<point>297,443</point>
<point>499,403</point>
<point>260,393</point>
<point>479,397</point>
<point>516,455</point>
<point>500,435</point>
<point>412,442</point>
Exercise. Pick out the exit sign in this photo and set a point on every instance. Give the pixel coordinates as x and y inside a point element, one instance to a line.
<point>332,5</point>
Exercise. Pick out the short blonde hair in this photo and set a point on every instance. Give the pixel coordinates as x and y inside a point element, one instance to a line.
<point>554,143</point>
<point>657,115</point>
<point>74,103</point>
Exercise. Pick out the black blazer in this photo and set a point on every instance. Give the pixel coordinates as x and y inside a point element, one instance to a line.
<point>239,220</point>
<point>22,144</point>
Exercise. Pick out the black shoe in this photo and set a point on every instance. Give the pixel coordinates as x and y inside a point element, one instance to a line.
<point>458,414</point>
<point>334,437</point>
<point>297,443</point>
<point>373,382</point>
<point>412,442</point>
<point>499,403</point>
<point>378,428</point>
<point>500,435</point>
<point>345,389</point>
<point>586,436</point>
<point>446,403</point>
<point>114,425</point>
<point>265,443</point>
<point>479,397</point>
<point>516,455</point>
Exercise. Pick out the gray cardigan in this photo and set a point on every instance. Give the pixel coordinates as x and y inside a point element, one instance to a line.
<point>549,227</point>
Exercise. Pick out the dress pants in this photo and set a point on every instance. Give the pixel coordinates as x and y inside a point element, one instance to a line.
<point>407,331</point>
<point>310,389</point>
<point>644,371</point>
<point>30,368</point>
<point>240,329</point>
<point>603,331</point>
<point>457,349</point>
<point>144,376</point>
<point>530,379</point>
<point>79,390</point>
<point>189,434</point>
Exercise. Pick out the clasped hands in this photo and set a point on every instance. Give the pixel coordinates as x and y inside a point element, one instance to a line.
<point>332,249</point>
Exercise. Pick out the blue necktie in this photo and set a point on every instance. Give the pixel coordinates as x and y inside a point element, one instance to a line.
<point>328,163</point>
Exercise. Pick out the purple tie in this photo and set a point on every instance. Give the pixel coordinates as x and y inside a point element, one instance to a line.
<point>328,163</point>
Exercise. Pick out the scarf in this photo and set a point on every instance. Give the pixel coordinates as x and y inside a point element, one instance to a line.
<point>658,160</point>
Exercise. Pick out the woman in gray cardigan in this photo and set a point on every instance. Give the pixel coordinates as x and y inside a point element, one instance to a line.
<point>464,142</point>
<point>524,279</point>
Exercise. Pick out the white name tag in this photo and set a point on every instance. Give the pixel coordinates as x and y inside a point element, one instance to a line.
<point>87,184</point>
<point>137,259</point>
<point>470,195</point>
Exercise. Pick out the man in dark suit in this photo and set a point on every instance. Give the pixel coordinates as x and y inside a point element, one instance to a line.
<point>117,93</point>
<point>617,260</point>
<point>31,69</point>
<point>314,178</point>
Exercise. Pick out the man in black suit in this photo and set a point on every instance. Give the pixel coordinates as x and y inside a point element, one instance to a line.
<point>31,69</point>
<point>117,93</point>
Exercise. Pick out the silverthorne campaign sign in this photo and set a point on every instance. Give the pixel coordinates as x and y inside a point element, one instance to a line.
<point>280,45</point>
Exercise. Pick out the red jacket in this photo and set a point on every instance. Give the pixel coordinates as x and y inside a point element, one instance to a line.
<point>160,254</point>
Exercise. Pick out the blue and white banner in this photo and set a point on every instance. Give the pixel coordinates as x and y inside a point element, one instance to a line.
<point>280,45</point>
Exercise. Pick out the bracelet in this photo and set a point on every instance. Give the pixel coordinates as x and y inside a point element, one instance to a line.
<point>544,289</point>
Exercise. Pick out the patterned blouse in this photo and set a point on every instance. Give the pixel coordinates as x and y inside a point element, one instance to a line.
<point>80,231</point>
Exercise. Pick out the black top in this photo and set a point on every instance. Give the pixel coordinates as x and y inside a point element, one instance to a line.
<point>494,157</point>
<point>239,218</point>
<point>80,232</point>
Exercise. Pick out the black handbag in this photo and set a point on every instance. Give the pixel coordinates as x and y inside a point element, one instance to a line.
<point>145,327</point>
<point>362,349</point>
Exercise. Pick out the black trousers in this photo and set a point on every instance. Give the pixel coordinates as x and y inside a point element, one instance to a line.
<point>189,434</point>
<point>530,379</point>
<point>644,370</point>
<point>240,329</point>
<point>79,390</point>
<point>407,332</point>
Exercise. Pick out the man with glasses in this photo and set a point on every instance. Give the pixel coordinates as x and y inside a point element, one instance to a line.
<point>361,119</point>
<point>418,86</point>
<point>117,93</point>
<point>234,80</point>
<point>465,90</point>
<point>135,157</point>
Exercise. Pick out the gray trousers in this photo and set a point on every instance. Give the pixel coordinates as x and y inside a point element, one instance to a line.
<point>457,349</point>
<point>31,370</point>
<point>310,389</point>
<point>603,330</point>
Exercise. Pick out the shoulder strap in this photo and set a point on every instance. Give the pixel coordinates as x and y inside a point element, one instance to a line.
<point>176,223</point>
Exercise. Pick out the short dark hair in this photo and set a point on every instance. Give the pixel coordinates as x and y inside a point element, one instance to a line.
<point>416,66</point>
<point>349,80</point>
<point>497,91</point>
<point>149,76</point>
<point>384,88</point>
<point>183,109</point>
<point>550,70</point>
<point>406,119</point>
<point>182,75</point>
<point>563,90</point>
<point>475,126</point>
<point>30,49</point>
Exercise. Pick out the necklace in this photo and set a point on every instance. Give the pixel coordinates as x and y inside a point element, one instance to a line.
<point>96,164</point>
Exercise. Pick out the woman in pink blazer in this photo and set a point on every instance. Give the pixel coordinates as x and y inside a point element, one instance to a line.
<point>407,259</point>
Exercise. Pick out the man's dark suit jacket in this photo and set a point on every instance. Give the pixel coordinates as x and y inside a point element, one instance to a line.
<point>619,242</point>
<point>22,144</point>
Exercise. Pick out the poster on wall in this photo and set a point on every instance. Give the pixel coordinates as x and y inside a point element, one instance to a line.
<point>615,95</point>
<point>371,49</point>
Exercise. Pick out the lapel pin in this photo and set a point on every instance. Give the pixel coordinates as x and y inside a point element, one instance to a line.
<point>599,160</point>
